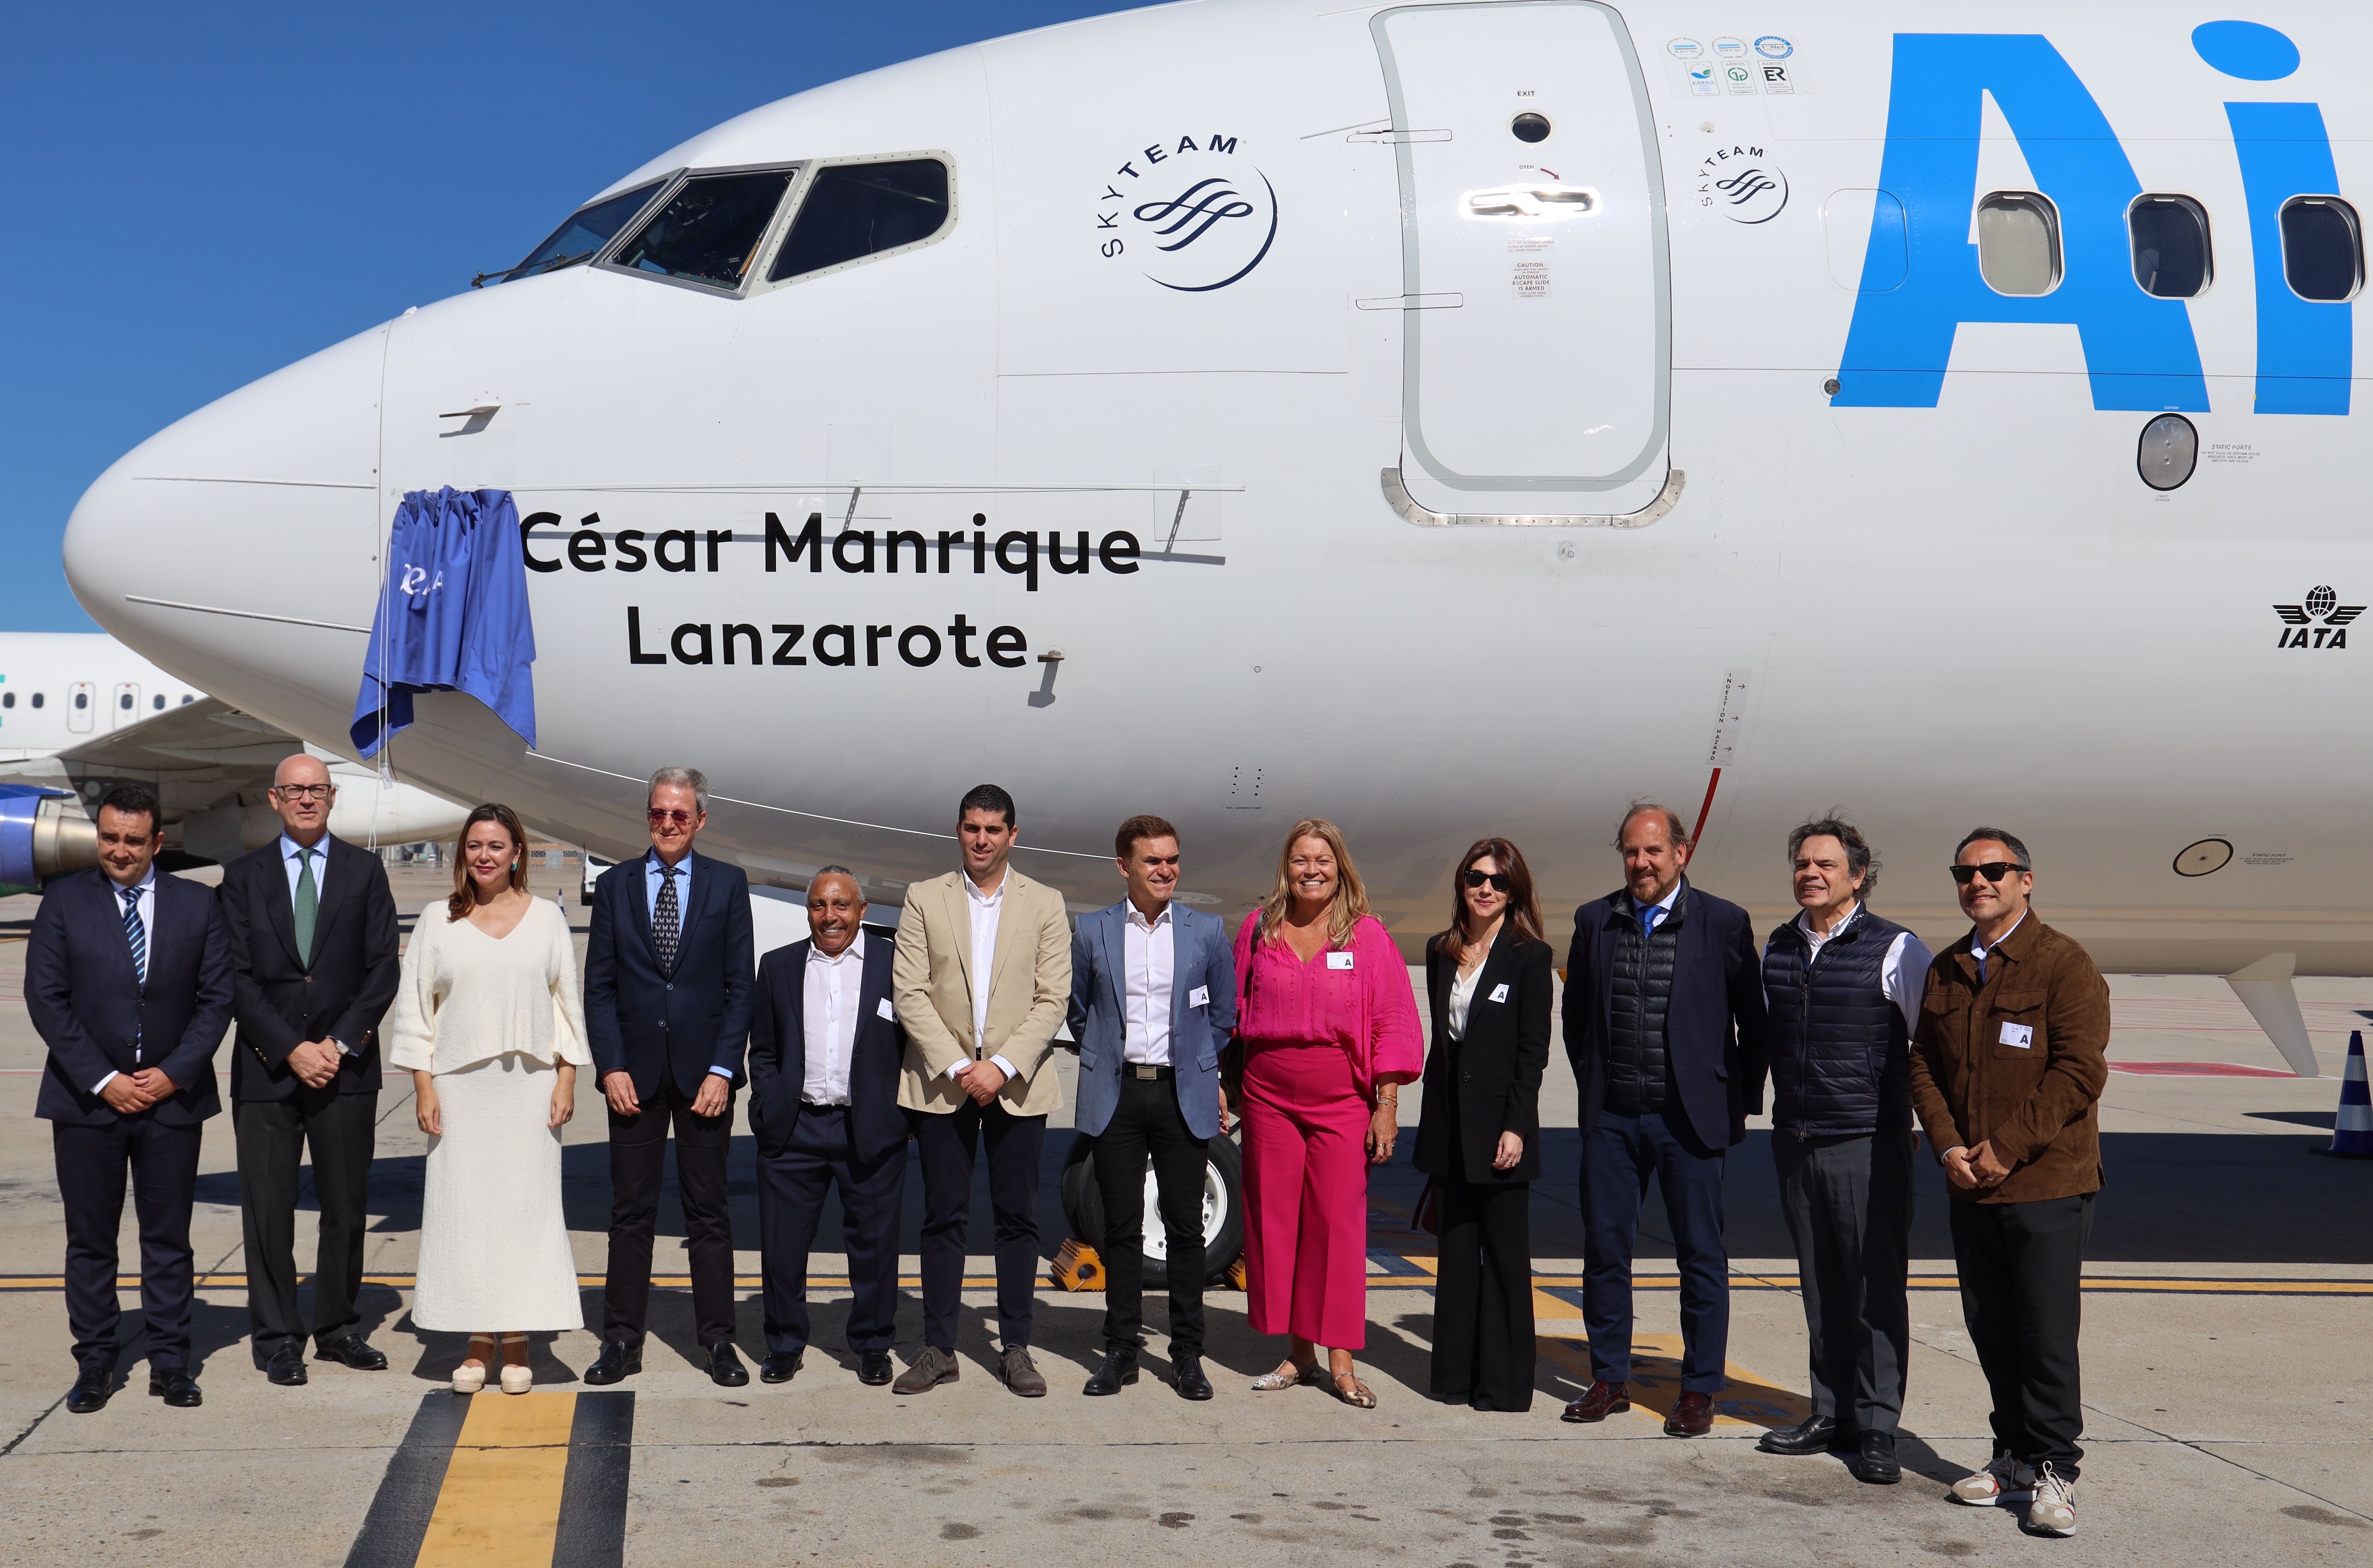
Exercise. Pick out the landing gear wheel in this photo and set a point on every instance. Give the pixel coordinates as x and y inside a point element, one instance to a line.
<point>1223,1207</point>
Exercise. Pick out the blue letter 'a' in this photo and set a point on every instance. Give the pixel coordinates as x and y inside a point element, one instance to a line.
<point>2303,345</point>
<point>2138,350</point>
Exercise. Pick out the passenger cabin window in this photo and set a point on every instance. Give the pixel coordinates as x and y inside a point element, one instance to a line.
<point>158,703</point>
<point>854,210</point>
<point>2170,242</point>
<point>187,700</point>
<point>587,230</point>
<point>37,700</point>
<point>8,699</point>
<point>2018,242</point>
<point>82,699</point>
<point>710,229</point>
<point>2324,249</point>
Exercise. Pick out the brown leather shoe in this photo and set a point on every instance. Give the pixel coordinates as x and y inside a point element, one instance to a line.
<point>1020,1373</point>
<point>1692,1417</point>
<point>1603,1400</point>
<point>931,1368</point>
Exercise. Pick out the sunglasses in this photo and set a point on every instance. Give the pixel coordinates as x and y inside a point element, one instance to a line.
<point>1497,879</point>
<point>1995,871</point>
<point>661,818</point>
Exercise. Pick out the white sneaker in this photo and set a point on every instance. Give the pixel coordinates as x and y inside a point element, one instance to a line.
<point>2054,1508</point>
<point>2003,1480</point>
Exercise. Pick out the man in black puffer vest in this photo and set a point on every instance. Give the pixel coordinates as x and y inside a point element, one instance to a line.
<point>1844,990</point>
<point>1664,1024</point>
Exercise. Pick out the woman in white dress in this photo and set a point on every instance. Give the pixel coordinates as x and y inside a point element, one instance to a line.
<point>489,1021</point>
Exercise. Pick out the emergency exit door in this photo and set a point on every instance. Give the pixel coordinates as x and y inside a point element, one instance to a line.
<point>1537,312</point>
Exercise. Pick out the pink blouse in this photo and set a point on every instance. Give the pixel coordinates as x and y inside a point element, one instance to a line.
<point>1357,997</point>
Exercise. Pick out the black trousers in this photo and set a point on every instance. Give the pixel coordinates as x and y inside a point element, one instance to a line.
<point>1148,1121</point>
<point>949,1144</point>
<point>638,1162</point>
<point>1847,1202</point>
<point>2022,1268</point>
<point>272,1135</point>
<point>162,1163</point>
<point>792,1186</point>
<point>1483,1295</point>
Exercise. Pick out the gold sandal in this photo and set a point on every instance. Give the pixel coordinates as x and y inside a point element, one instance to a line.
<point>1358,1396</point>
<point>1304,1374</point>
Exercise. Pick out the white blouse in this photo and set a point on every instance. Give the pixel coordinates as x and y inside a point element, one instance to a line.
<point>466,996</point>
<point>1462,996</point>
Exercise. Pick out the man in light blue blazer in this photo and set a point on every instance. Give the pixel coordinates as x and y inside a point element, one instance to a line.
<point>1153,999</point>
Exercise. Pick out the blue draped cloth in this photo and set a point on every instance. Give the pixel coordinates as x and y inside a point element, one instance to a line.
<point>452,616</point>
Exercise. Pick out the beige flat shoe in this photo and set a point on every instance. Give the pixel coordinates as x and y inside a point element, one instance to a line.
<point>1303,1376</point>
<point>469,1378</point>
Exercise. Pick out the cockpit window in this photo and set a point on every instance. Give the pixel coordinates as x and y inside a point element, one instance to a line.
<point>587,230</point>
<point>860,209</point>
<point>710,229</point>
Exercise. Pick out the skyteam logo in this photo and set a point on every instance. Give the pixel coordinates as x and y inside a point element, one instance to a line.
<point>1742,184</point>
<point>1188,212</point>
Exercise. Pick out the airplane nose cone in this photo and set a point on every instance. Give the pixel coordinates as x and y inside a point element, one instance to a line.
<point>238,548</point>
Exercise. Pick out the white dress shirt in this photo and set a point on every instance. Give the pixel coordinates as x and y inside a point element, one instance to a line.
<point>829,1003</point>
<point>1462,997</point>
<point>147,906</point>
<point>1148,950</point>
<point>292,858</point>
<point>985,909</point>
<point>1664,907</point>
<point>1902,977</point>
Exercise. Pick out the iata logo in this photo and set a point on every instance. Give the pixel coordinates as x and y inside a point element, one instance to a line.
<point>1188,212</point>
<point>2299,628</point>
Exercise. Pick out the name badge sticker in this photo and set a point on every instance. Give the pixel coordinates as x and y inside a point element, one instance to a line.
<point>1500,991</point>
<point>1199,997</point>
<point>1339,960</point>
<point>886,1010</point>
<point>2019,1034</point>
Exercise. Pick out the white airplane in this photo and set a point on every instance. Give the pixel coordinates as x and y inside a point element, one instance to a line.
<point>1444,418</point>
<point>78,711</point>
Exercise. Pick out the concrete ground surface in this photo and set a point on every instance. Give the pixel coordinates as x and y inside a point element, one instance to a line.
<point>2228,1377</point>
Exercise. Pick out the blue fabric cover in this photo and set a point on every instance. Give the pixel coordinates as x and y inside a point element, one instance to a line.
<point>453,617</point>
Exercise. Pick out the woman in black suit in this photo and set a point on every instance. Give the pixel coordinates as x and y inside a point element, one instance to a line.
<point>1488,980</point>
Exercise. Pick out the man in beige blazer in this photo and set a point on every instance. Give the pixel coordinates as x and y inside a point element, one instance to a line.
<point>982,977</point>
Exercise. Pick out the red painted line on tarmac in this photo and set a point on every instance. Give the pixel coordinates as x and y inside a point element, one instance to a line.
<point>2198,1069</point>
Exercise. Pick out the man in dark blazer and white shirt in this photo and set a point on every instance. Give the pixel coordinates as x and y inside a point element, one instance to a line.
<point>314,942</point>
<point>128,980</point>
<point>668,987</point>
<point>1153,997</point>
<point>826,1052</point>
<point>1664,1024</point>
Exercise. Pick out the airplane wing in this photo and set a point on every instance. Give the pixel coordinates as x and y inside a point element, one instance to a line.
<point>195,756</point>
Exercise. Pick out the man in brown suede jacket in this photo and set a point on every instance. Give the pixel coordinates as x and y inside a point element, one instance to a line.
<point>2007,1066</point>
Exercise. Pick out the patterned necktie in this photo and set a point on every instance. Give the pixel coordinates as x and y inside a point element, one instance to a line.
<point>1648,921</point>
<point>667,923</point>
<point>308,906</point>
<point>136,933</point>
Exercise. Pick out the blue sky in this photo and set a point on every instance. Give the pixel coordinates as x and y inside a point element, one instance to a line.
<point>203,193</point>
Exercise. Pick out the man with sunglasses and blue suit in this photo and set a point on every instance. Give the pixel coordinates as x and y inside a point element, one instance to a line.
<point>1153,999</point>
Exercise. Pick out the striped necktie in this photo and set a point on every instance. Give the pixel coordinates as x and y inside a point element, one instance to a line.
<point>667,922</point>
<point>136,933</point>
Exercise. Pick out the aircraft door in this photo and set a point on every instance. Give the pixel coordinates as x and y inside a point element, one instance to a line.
<point>1537,322</point>
<point>81,697</point>
<point>125,709</point>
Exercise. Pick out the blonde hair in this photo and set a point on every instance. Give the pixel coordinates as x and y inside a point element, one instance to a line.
<point>1350,906</point>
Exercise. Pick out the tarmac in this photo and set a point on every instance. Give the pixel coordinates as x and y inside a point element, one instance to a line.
<point>2228,1385</point>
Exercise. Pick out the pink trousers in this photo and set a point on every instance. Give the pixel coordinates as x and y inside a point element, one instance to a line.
<point>1305,1193</point>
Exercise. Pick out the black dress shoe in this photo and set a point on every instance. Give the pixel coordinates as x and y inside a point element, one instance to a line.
<point>353,1351</point>
<point>1118,1371</point>
<point>781,1366</point>
<point>725,1368</point>
<point>1814,1435</point>
<point>617,1360</point>
<point>1186,1376</point>
<point>873,1368</point>
<point>1876,1463</point>
<point>286,1365</point>
<point>178,1388</point>
<point>90,1391</point>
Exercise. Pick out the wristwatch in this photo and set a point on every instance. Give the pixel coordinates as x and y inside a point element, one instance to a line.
<point>340,1044</point>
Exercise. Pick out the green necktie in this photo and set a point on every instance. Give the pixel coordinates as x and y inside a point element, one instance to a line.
<point>309,904</point>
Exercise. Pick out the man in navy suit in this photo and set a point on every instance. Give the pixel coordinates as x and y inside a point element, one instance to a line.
<point>128,977</point>
<point>825,1052</point>
<point>667,1005</point>
<point>1153,997</point>
<point>1664,1024</point>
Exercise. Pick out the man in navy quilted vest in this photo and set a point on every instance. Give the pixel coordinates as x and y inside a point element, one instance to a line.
<point>1843,988</point>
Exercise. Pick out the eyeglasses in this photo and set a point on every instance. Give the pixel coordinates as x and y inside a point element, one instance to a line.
<point>662,817</point>
<point>1995,871</point>
<point>1497,879</point>
<point>304,791</point>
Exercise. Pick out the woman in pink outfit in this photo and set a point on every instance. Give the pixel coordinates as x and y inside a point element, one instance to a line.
<point>1328,1031</point>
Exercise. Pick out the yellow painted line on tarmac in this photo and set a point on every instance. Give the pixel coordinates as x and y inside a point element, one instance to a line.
<point>500,1504</point>
<point>1745,1398</point>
